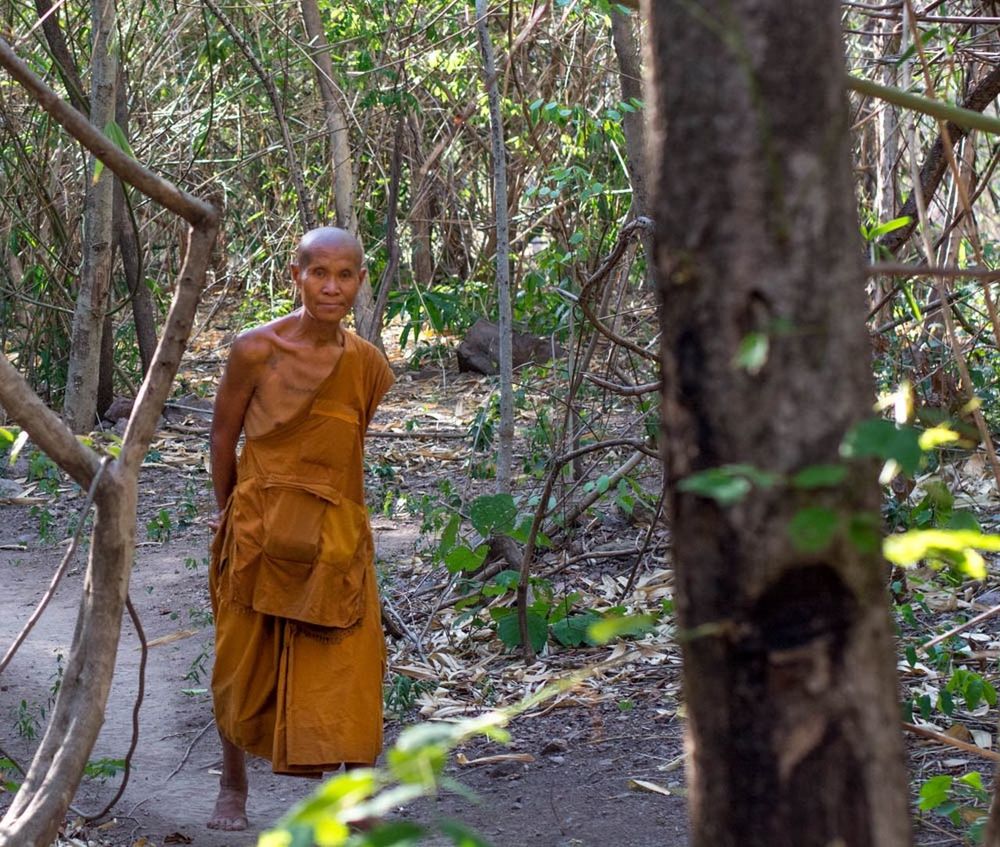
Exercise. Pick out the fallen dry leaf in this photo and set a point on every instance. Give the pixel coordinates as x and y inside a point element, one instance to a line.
<point>651,787</point>
<point>492,760</point>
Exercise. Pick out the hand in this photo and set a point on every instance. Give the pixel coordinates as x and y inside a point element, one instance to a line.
<point>215,522</point>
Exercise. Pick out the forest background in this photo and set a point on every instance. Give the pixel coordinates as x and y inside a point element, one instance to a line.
<point>387,119</point>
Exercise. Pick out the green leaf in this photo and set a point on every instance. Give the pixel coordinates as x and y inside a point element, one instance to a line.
<point>449,535</point>
<point>502,583</point>
<point>717,484</point>
<point>463,558</point>
<point>751,355</point>
<point>510,633</point>
<point>615,626</point>
<point>884,440</point>
<point>493,513</point>
<point>934,792</point>
<point>394,833</point>
<point>602,483</point>
<point>819,476</point>
<point>574,630</point>
<point>889,226</point>
<point>812,529</point>
<point>864,530</point>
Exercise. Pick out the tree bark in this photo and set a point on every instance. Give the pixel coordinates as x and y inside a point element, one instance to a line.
<point>367,320</point>
<point>789,669</point>
<point>38,809</point>
<point>80,403</point>
<point>505,320</point>
<point>633,123</point>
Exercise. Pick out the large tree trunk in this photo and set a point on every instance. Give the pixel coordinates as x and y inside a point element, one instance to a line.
<point>80,404</point>
<point>789,670</point>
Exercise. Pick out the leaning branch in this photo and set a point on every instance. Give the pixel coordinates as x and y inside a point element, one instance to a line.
<point>960,119</point>
<point>164,192</point>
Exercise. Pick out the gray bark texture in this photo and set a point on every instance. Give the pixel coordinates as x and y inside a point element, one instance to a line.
<point>505,319</point>
<point>80,404</point>
<point>633,123</point>
<point>789,669</point>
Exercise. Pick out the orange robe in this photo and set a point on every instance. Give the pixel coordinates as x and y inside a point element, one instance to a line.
<point>299,651</point>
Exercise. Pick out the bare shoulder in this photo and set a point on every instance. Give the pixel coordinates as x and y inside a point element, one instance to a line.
<point>256,346</point>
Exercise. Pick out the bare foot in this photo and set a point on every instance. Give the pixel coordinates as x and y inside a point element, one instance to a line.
<point>230,812</point>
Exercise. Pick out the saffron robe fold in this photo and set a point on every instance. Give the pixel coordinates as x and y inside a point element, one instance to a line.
<point>299,650</point>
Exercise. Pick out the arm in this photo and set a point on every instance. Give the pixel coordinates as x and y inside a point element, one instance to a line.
<point>236,388</point>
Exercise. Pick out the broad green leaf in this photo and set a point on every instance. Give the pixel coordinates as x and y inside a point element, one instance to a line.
<point>615,626</point>
<point>493,513</point>
<point>884,440</point>
<point>889,226</point>
<point>602,483</point>
<point>864,530</point>
<point>751,355</point>
<point>973,779</point>
<point>7,436</point>
<point>463,558</point>
<point>502,583</point>
<point>574,630</point>
<point>509,630</point>
<point>812,529</point>
<point>449,535</point>
<point>819,476</point>
<point>717,484</point>
<point>394,833</point>
<point>934,792</point>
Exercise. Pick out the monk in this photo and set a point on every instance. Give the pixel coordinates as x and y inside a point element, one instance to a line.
<point>299,651</point>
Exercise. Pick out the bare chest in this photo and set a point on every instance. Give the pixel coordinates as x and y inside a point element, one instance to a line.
<point>286,388</point>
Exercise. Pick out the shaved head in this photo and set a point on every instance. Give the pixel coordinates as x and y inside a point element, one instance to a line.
<point>327,237</point>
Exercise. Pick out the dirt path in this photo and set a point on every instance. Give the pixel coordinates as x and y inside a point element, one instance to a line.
<point>574,792</point>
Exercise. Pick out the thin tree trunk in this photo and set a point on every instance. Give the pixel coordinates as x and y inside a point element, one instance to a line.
<point>789,668</point>
<point>38,810</point>
<point>143,308</point>
<point>80,404</point>
<point>633,123</point>
<point>341,159</point>
<point>341,156</point>
<point>505,320</point>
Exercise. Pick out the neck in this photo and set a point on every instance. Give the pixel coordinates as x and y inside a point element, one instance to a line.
<point>320,332</point>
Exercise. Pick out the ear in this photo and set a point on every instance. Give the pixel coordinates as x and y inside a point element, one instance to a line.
<point>294,269</point>
<point>363,275</point>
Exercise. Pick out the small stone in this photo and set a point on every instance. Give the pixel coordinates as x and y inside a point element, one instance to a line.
<point>9,488</point>
<point>557,760</point>
<point>556,745</point>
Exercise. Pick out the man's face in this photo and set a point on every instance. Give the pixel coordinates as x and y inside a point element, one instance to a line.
<point>328,281</point>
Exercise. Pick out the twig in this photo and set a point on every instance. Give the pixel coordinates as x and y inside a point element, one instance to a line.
<point>294,168</point>
<point>187,753</point>
<point>397,621</point>
<point>140,695</point>
<point>645,545</point>
<point>941,738</point>
<point>927,645</point>
<point>60,571</point>
<point>630,390</point>
<point>417,433</point>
